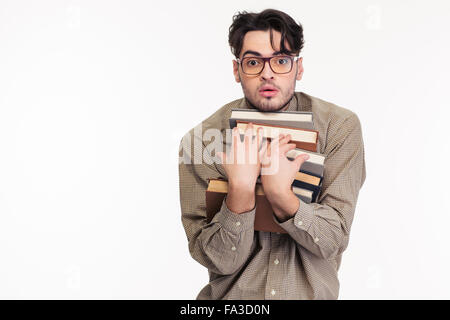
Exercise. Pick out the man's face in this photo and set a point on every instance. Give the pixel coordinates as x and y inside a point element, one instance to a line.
<point>255,44</point>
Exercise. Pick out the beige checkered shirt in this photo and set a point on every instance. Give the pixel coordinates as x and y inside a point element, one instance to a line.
<point>304,262</point>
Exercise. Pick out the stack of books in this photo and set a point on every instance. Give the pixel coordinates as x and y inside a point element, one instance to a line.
<point>308,181</point>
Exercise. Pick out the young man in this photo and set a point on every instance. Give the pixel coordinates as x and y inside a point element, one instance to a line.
<point>248,264</point>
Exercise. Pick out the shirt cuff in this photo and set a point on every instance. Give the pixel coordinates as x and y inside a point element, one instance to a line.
<point>301,220</point>
<point>234,222</point>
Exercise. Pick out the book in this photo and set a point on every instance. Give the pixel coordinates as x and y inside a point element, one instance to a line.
<point>307,178</point>
<point>264,216</point>
<point>315,189</point>
<point>303,138</point>
<point>297,119</point>
<point>314,165</point>
<point>302,176</point>
<point>303,194</point>
<point>307,186</point>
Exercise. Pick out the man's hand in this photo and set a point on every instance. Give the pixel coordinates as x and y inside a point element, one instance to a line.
<point>277,175</point>
<point>242,166</point>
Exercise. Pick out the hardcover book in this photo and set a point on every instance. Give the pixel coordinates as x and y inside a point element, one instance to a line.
<point>303,138</point>
<point>297,119</point>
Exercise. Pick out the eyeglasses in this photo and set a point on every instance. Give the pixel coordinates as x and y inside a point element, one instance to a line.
<point>255,65</point>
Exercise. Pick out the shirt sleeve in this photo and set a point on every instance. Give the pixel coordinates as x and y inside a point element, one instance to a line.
<point>224,244</point>
<point>323,228</point>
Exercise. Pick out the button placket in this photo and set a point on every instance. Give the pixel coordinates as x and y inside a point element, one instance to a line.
<point>273,268</point>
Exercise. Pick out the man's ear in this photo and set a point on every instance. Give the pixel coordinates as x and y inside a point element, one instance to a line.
<point>236,71</point>
<point>299,68</point>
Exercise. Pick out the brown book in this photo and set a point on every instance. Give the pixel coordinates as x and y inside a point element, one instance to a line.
<point>305,177</point>
<point>303,138</point>
<point>301,176</point>
<point>218,188</point>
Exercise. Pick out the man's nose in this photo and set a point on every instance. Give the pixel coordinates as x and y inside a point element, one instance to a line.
<point>267,72</point>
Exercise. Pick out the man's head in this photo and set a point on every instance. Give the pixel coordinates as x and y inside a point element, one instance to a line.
<point>266,34</point>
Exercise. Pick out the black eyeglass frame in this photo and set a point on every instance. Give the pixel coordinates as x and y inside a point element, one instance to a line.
<point>239,61</point>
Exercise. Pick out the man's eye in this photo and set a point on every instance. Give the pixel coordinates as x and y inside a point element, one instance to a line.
<point>282,61</point>
<point>252,63</point>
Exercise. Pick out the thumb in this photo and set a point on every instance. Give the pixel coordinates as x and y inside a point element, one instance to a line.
<point>300,159</point>
<point>263,149</point>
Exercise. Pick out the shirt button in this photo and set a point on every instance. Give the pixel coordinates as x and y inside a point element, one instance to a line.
<point>316,239</point>
<point>238,223</point>
<point>273,292</point>
<point>276,261</point>
<point>233,248</point>
<point>300,222</point>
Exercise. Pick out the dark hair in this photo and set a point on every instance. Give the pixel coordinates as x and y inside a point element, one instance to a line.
<point>269,19</point>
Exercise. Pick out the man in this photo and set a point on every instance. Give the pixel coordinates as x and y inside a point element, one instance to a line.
<point>248,264</point>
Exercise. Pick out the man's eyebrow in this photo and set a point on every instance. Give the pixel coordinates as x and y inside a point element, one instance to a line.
<point>259,54</point>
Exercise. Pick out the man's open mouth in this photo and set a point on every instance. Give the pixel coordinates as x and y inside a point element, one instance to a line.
<point>268,91</point>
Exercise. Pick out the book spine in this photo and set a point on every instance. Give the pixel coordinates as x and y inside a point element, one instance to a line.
<point>282,123</point>
<point>313,169</point>
<point>277,126</point>
<point>303,198</point>
<point>307,186</point>
<point>309,146</point>
<point>258,111</point>
<point>301,176</point>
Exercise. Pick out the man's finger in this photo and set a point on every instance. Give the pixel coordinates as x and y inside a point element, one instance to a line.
<point>257,144</point>
<point>236,141</point>
<point>277,137</point>
<point>300,159</point>
<point>249,130</point>
<point>259,137</point>
<point>285,148</point>
<point>248,137</point>
<point>274,147</point>
<point>285,139</point>
<point>236,133</point>
<point>263,152</point>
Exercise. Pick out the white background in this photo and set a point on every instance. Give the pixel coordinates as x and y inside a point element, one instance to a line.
<point>96,95</point>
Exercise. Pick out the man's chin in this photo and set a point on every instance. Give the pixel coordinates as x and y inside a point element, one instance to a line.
<point>269,105</point>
